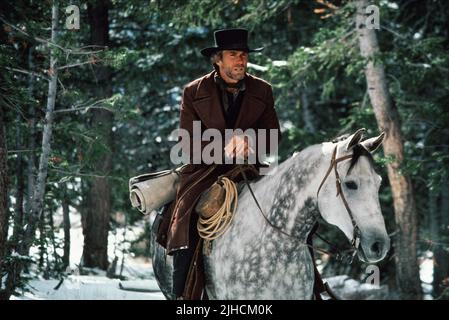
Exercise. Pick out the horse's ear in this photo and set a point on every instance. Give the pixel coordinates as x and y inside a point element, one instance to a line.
<point>355,138</point>
<point>372,144</point>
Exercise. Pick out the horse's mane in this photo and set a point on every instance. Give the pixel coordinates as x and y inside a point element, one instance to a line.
<point>358,151</point>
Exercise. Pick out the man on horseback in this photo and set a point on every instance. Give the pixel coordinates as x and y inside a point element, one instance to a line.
<point>226,98</point>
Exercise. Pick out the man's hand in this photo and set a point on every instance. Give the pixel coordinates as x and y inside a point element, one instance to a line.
<point>238,147</point>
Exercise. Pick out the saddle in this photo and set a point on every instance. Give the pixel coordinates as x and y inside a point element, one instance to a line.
<point>213,198</point>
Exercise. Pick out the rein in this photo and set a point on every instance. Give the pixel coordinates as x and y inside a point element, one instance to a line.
<point>274,226</point>
<point>333,165</point>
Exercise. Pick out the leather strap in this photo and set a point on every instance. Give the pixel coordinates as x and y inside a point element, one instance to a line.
<point>333,165</point>
<point>319,286</point>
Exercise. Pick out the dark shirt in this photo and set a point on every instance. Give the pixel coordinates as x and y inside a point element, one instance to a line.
<point>234,106</point>
<point>231,103</point>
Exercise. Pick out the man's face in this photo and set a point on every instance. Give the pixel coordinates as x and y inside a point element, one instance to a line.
<point>233,65</point>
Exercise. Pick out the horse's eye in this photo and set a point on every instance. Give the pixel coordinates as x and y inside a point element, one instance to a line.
<point>351,185</point>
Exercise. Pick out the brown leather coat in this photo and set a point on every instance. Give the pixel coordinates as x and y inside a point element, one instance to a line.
<point>201,101</point>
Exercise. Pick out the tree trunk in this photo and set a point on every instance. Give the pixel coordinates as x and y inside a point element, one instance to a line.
<point>433,216</point>
<point>39,189</point>
<point>441,255</point>
<point>57,266</point>
<point>66,222</point>
<point>19,206</point>
<point>408,281</point>
<point>306,115</point>
<point>3,192</point>
<point>99,195</point>
<point>42,245</point>
<point>31,165</point>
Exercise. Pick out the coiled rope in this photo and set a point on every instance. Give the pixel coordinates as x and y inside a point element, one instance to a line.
<point>210,228</point>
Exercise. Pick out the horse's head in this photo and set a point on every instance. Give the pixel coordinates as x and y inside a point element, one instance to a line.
<point>359,189</point>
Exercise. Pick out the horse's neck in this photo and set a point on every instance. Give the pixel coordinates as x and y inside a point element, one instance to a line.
<point>289,193</point>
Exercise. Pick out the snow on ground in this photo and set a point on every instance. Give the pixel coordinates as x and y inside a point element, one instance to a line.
<point>90,288</point>
<point>138,271</point>
<point>350,289</point>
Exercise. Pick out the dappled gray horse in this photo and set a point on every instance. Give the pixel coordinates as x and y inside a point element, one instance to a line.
<point>257,259</point>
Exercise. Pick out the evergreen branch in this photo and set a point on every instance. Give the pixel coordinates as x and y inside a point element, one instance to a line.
<point>22,150</point>
<point>32,73</point>
<point>60,82</point>
<point>83,108</point>
<point>90,61</point>
<point>49,42</point>
<point>393,32</point>
<point>91,106</point>
<point>89,175</point>
<point>433,242</point>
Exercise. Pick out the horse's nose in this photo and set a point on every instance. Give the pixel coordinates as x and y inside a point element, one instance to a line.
<point>376,248</point>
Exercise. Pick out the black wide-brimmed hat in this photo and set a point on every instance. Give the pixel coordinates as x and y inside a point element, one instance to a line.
<point>230,39</point>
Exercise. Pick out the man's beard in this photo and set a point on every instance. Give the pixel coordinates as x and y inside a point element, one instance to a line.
<point>236,74</point>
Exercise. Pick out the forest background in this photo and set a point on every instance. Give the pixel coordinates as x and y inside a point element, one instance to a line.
<point>86,104</point>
